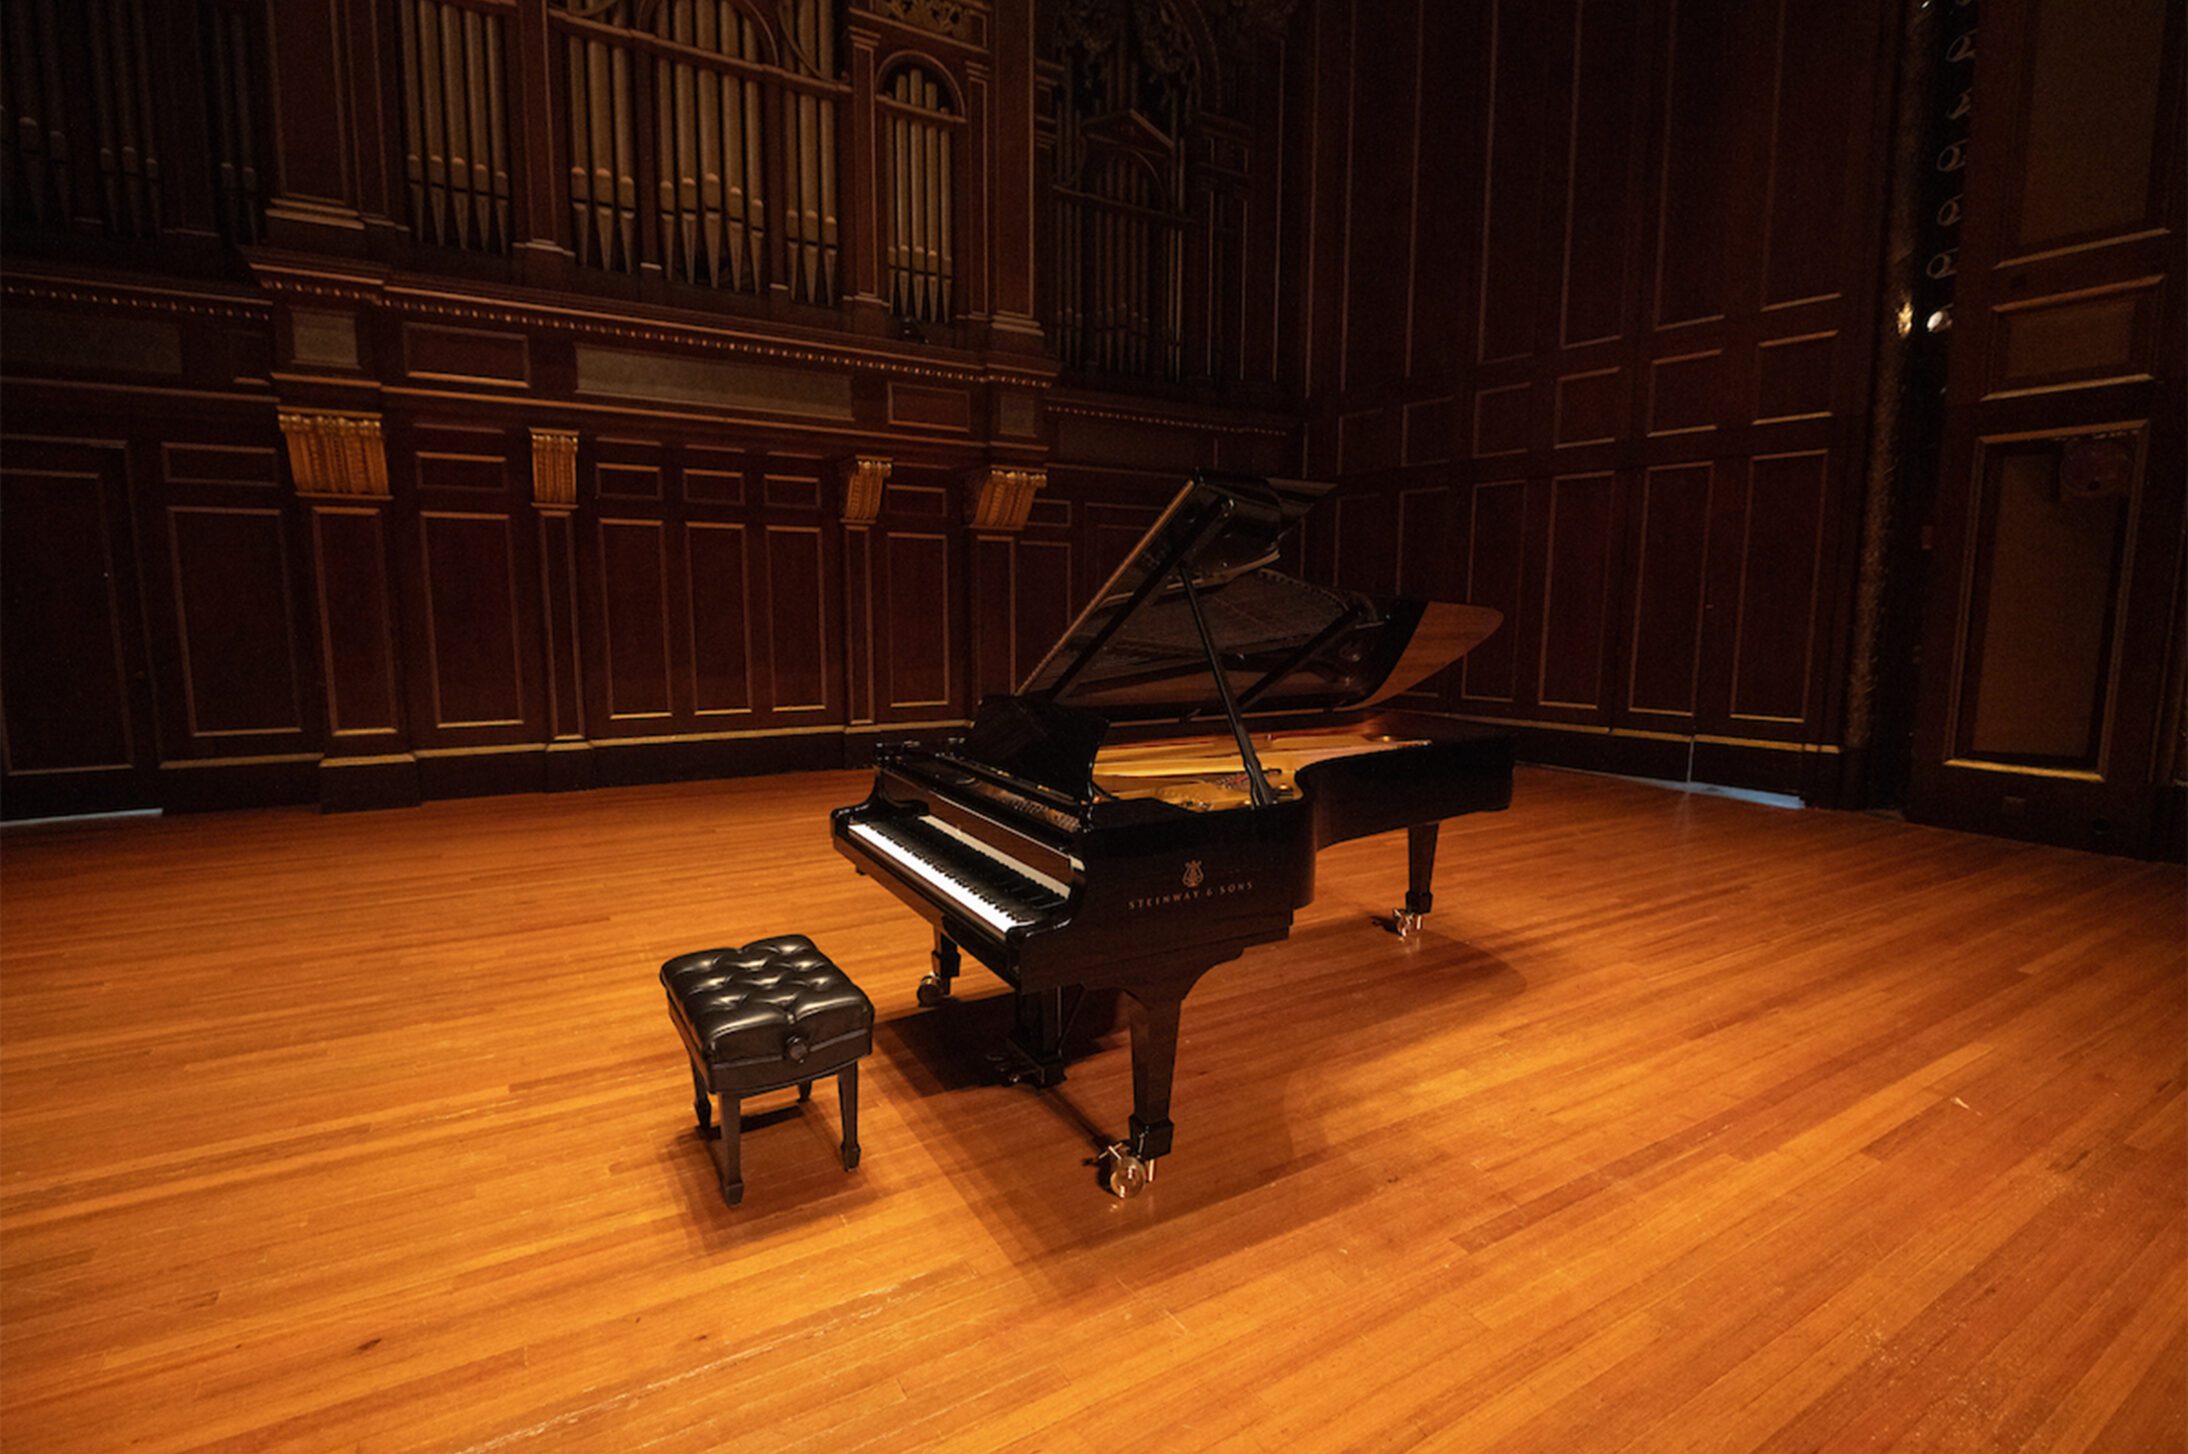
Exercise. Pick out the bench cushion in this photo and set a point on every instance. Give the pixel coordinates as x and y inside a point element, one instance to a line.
<point>741,1010</point>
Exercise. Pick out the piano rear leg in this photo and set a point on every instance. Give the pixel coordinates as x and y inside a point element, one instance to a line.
<point>935,988</point>
<point>1131,1163</point>
<point>1420,854</point>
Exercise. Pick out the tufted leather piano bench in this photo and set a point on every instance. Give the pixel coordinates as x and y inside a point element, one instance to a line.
<point>771,1015</point>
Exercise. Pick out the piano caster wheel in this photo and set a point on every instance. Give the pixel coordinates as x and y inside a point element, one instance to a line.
<point>1126,1176</point>
<point>932,992</point>
<point>1405,922</point>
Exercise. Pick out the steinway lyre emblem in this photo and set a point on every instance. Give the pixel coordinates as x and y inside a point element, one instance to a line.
<point>1193,875</point>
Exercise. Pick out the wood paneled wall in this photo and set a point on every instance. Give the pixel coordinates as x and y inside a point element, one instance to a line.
<point>368,438</point>
<point>197,614</point>
<point>432,495</point>
<point>2053,623</point>
<point>1589,307</point>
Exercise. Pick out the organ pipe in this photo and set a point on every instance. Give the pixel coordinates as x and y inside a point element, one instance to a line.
<point>921,250</point>
<point>455,126</point>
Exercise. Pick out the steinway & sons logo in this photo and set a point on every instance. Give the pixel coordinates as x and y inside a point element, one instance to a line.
<point>1196,887</point>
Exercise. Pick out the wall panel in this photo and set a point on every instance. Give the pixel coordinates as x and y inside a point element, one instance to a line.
<point>349,552</point>
<point>916,565</point>
<point>1576,599</point>
<point>1700,176</point>
<point>797,635</point>
<point>721,617</point>
<point>1604,153</point>
<point>1044,601</point>
<point>474,658</point>
<point>1495,576</point>
<point>64,676</point>
<point>239,671</point>
<point>1664,664</point>
<point>634,592</point>
<point>1781,554</point>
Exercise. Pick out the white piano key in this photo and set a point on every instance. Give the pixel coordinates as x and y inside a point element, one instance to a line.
<point>951,887</point>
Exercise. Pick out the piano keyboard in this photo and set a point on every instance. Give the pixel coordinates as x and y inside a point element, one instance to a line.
<point>963,872</point>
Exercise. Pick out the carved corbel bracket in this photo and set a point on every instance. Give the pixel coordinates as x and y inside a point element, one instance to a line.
<point>554,469</point>
<point>1002,497</point>
<point>864,477</point>
<point>335,453</point>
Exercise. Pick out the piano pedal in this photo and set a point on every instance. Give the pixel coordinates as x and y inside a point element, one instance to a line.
<point>1014,1066</point>
<point>1405,923</point>
<point>1124,1175</point>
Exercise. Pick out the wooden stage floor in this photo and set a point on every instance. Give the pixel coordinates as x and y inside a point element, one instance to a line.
<point>1689,1125</point>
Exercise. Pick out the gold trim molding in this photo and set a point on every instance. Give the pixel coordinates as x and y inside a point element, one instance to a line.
<point>864,478</point>
<point>554,469</point>
<point>1002,498</point>
<point>336,454</point>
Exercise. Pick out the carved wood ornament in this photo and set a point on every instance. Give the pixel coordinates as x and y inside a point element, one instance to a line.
<point>333,453</point>
<point>1002,498</point>
<point>554,469</point>
<point>943,17</point>
<point>864,477</point>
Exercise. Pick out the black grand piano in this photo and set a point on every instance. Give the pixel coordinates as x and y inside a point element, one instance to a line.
<point>1120,823</point>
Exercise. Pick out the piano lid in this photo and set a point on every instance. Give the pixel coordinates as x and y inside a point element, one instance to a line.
<point>1135,652</point>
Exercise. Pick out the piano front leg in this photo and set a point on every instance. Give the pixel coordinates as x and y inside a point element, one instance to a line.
<point>935,988</point>
<point>1420,855</point>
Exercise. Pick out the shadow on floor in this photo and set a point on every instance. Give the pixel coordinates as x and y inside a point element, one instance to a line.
<point>1026,1160</point>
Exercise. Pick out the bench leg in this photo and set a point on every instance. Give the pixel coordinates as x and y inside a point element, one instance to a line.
<point>847,1105</point>
<point>702,1103</point>
<point>733,1179</point>
<point>805,1090</point>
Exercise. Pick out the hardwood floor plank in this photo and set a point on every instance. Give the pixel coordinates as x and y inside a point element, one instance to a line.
<point>1689,1124</point>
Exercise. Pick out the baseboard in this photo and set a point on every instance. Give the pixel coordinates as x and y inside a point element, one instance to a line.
<point>658,760</point>
<point>188,786</point>
<point>354,784</point>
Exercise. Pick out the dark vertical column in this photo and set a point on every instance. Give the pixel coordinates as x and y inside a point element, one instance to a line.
<point>554,501</point>
<point>179,85</point>
<point>374,117</point>
<point>541,257</point>
<point>861,201</point>
<point>978,246</point>
<point>1008,237</point>
<point>865,478</point>
<point>314,204</point>
<point>339,467</point>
